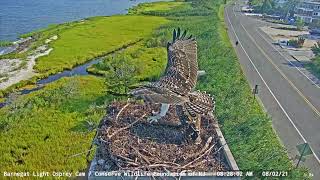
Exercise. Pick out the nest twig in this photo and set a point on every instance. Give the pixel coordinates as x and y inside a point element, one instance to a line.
<point>124,128</point>
<point>135,144</point>
<point>124,107</point>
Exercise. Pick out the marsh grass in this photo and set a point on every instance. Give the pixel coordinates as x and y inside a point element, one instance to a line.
<point>159,7</point>
<point>39,131</point>
<point>95,37</point>
<point>5,43</point>
<point>150,61</point>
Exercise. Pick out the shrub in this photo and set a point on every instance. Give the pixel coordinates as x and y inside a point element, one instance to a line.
<point>316,48</point>
<point>297,43</point>
<point>121,75</point>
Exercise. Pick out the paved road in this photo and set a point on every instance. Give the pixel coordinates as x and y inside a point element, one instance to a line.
<point>288,95</point>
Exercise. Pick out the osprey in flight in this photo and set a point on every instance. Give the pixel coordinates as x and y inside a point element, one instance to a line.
<point>176,86</point>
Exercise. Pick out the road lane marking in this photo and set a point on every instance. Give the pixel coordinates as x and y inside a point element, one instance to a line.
<point>280,71</point>
<point>277,68</point>
<point>314,83</point>
<point>284,111</point>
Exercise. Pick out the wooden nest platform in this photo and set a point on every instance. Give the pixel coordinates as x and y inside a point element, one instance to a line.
<point>128,142</point>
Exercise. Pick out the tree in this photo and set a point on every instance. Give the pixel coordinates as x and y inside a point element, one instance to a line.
<point>270,7</point>
<point>263,6</point>
<point>316,49</point>
<point>121,75</point>
<point>267,6</point>
<point>299,23</point>
<point>71,88</point>
<point>289,7</point>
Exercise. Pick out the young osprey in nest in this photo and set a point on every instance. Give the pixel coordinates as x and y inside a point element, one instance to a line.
<point>176,86</point>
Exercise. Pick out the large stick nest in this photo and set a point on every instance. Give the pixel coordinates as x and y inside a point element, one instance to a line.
<point>127,141</point>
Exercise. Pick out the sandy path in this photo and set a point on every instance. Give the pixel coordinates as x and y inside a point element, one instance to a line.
<point>27,72</point>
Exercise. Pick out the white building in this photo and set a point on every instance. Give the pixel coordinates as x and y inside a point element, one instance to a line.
<point>309,11</point>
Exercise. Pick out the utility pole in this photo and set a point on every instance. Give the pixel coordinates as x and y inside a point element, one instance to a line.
<point>255,91</point>
<point>304,150</point>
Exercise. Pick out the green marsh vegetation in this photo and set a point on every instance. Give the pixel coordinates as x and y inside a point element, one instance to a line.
<point>149,57</point>
<point>121,74</point>
<point>94,38</point>
<point>5,43</point>
<point>43,129</point>
<point>164,7</point>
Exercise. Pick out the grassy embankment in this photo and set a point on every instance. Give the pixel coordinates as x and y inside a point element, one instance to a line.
<point>43,129</point>
<point>314,66</point>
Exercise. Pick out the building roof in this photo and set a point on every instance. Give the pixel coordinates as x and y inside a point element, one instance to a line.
<point>312,2</point>
<point>305,9</point>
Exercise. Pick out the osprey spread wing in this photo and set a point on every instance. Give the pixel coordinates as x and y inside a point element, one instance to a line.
<point>176,85</point>
<point>180,74</point>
